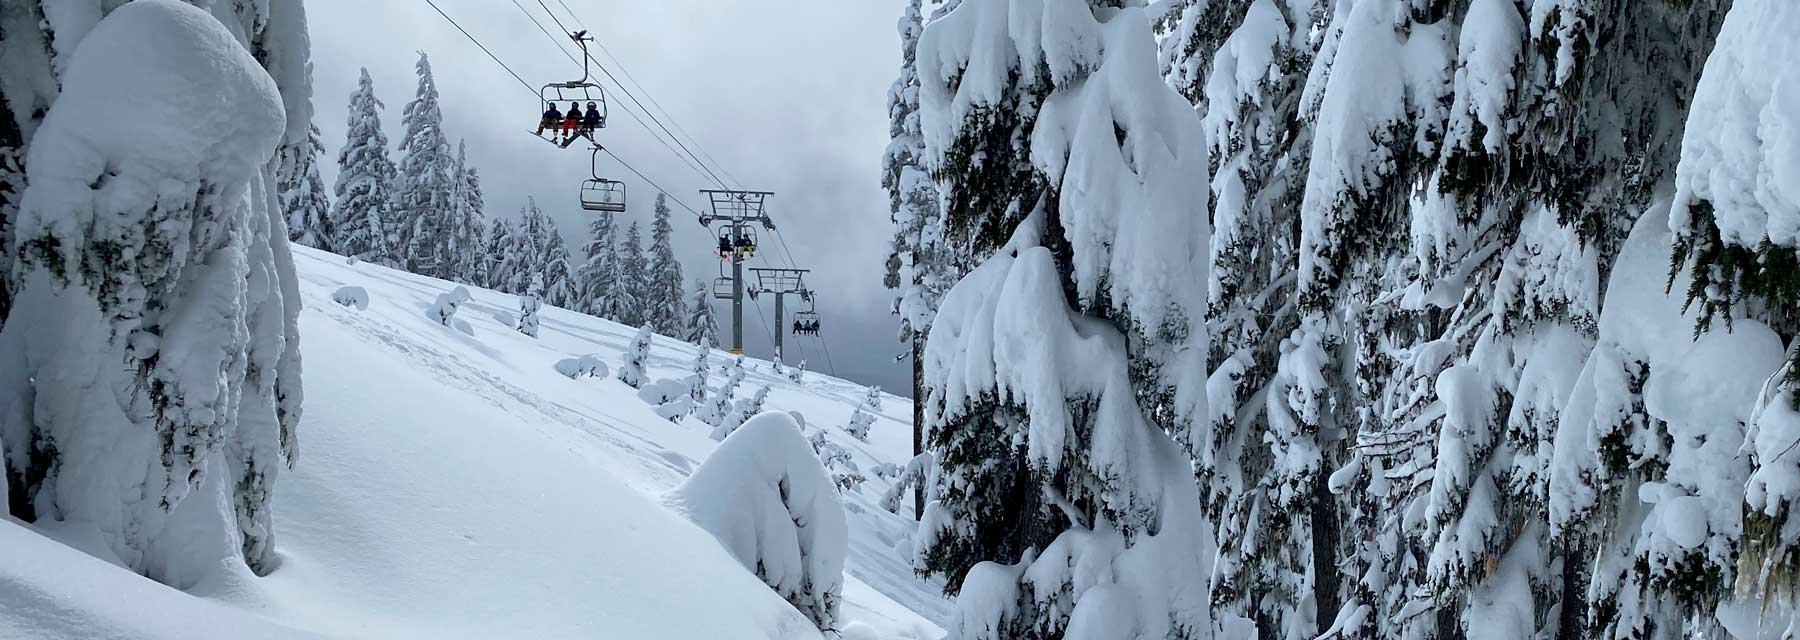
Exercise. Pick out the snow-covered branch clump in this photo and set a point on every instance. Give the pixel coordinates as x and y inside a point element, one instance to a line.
<point>148,389</point>
<point>763,494</point>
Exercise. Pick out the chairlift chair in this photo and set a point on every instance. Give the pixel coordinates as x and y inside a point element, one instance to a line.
<point>600,194</point>
<point>579,92</point>
<point>722,288</point>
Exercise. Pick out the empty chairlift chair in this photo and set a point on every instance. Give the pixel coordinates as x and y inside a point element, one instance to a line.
<point>600,194</point>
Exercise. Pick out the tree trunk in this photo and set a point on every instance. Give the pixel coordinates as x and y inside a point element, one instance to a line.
<point>918,421</point>
<point>1324,550</point>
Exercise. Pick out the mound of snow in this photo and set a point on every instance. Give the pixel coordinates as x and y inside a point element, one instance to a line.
<point>352,296</point>
<point>663,391</point>
<point>767,499</point>
<point>584,366</point>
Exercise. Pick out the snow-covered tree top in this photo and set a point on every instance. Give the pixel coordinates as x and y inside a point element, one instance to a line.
<point>160,86</point>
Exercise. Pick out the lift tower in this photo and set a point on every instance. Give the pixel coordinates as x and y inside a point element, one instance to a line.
<point>735,210</point>
<point>780,283</point>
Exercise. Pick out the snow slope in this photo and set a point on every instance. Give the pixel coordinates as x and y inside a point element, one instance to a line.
<point>452,485</point>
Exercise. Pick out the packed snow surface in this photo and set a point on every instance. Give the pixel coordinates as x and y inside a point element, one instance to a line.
<point>458,486</point>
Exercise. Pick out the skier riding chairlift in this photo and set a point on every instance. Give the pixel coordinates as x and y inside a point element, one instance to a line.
<point>724,248</point>
<point>591,120</point>
<point>571,125</point>
<point>551,120</point>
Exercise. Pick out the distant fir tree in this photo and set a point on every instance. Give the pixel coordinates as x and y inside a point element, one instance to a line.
<point>304,202</point>
<point>468,224</point>
<point>701,325</point>
<point>666,306</point>
<point>553,267</point>
<point>595,279</point>
<point>631,289</point>
<point>425,213</point>
<point>494,243</point>
<point>365,178</point>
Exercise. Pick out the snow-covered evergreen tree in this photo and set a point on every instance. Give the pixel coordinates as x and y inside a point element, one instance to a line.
<point>797,374</point>
<point>701,325</point>
<point>599,270</point>
<point>632,372</point>
<point>164,282</point>
<point>1077,178</point>
<point>763,494</point>
<point>702,366</point>
<point>494,245</point>
<point>725,397</point>
<point>741,411</point>
<point>631,287</point>
<point>468,223</point>
<point>425,212</point>
<point>666,303</point>
<point>364,188</point>
<point>524,252</point>
<point>304,203</point>
<point>528,307</point>
<point>920,267</point>
<point>553,267</point>
<point>860,421</point>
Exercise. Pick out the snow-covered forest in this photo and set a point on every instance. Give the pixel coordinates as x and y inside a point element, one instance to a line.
<point>1410,319</point>
<point>1225,320</point>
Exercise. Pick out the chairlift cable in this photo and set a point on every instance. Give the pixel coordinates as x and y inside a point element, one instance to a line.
<point>483,48</point>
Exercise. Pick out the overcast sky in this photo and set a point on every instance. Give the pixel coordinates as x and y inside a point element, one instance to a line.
<point>788,96</point>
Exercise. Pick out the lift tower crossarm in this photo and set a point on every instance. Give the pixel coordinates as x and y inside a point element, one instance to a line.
<point>735,209</point>
<point>780,283</point>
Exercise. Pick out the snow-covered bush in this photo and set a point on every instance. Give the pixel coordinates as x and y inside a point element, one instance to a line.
<point>831,454</point>
<point>443,310</point>
<point>352,296</point>
<point>763,494</point>
<point>740,411</point>
<point>528,307</point>
<point>797,375</point>
<point>663,391</point>
<point>697,381</point>
<point>149,370</point>
<point>863,417</point>
<point>724,398</point>
<point>676,409</point>
<point>848,481</point>
<point>632,372</point>
<point>922,469</point>
<point>584,366</point>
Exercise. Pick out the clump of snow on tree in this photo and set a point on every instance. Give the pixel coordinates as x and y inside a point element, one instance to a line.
<point>764,495</point>
<point>352,296</point>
